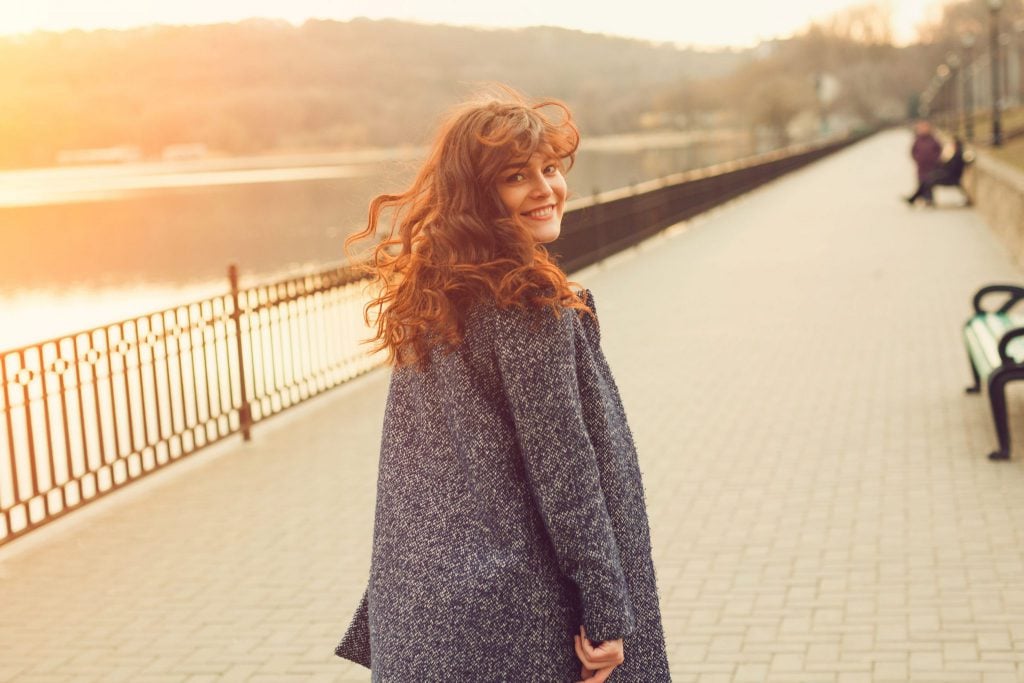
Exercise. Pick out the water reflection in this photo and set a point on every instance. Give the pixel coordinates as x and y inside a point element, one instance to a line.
<point>83,247</point>
<point>107,188</point>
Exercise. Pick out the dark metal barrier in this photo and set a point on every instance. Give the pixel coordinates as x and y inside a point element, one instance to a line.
<point>84,414</point>
<point>598,226</point>
<point>87,413</point>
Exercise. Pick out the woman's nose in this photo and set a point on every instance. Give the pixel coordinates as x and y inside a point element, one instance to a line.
<point>541,187</point>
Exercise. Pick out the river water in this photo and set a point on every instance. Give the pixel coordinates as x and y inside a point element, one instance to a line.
<point>85,246</point>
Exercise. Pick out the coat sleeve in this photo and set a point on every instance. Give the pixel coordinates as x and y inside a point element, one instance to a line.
<point>537,361</point>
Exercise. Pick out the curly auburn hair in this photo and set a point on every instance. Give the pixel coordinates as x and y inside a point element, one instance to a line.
<point>451,240</point>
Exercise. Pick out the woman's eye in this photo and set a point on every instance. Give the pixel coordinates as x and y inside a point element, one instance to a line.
<point>550,168</point>
<point>515,178</point>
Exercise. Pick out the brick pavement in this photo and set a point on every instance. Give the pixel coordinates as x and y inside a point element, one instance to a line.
<point>820,503</point>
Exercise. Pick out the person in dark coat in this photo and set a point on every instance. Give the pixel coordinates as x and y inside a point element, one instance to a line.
<point>511,539</point>
<point>926,152</point>
<point>949,173</point>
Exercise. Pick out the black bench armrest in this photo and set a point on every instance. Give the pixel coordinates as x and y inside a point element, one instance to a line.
<point>1015,294</point>
<point>1004,342</point>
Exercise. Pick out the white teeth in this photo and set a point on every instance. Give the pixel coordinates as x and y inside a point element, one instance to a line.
<point>541,213</point>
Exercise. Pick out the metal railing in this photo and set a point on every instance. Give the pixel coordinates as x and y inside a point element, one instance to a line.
<point>84,414</point>
<point>596,227</point>
<point>972,91</point>
<point>87,413</point>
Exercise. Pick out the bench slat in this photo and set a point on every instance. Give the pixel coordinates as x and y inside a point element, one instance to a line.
<point>976,349</point>
<point>982,335</point>
<point>1002,323</point>
<point>983,344</point>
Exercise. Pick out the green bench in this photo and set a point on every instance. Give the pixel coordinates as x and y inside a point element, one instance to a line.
<point>995,348</point>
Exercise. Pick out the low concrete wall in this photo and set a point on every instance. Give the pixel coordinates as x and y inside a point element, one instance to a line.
<point>998,192</point>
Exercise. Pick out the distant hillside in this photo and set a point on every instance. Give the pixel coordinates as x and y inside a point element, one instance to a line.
<point>261,85</point>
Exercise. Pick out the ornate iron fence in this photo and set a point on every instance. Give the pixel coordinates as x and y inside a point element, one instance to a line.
<point>87,413</point>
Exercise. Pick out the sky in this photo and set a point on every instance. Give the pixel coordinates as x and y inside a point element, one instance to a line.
<point>705,23</point>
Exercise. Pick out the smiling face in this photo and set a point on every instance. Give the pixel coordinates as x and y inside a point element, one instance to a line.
<point>534,190</point>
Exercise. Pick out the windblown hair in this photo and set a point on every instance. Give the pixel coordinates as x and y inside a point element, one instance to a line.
<point>452,242</point>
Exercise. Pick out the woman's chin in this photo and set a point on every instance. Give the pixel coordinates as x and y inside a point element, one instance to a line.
<point>547,233</point>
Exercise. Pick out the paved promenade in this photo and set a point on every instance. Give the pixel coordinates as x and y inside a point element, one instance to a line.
<point>821,507</point>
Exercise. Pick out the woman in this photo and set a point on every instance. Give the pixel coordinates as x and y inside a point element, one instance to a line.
<point>511,539</point>
<point>927,153</point>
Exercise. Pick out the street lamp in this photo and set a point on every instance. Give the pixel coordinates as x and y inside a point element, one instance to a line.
<point>968,43</point>
<point>819,93</point>
<point>942,75</point>
<point>954,66</point>
<point>997,124</point>
<point>924,105</point>
<point>1004,65</point>
<point>1018,29</point>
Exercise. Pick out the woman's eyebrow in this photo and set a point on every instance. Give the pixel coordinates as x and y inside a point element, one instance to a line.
<point>515,165</point>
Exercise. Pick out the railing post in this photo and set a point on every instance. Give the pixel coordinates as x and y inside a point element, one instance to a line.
<point>244,412</point>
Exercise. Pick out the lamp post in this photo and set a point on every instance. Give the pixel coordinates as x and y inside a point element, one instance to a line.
<point>954,102</point>
<point>1004,67</point>
<point>997,124</point>
<point>968,71</point>
<point>819,93</point>
<point>925,109</point>
<point>944,113</point>
<point>1018,30</point>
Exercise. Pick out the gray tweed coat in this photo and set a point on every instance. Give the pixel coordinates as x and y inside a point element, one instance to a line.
<point>510,510</point>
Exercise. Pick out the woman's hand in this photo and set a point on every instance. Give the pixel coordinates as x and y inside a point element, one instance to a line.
<point>600,661</point>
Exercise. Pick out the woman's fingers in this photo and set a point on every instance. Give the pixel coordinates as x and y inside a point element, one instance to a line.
<point>608,652</point>
<point>591,653</point>
<point>598,651</point>
<point>594,666</point>
<point>586,659</point>
<point>583,657</point>
<point>601,675</point>
<point>595,676</point>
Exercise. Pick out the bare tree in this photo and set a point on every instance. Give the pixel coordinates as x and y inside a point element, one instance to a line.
<point>961,17</point>
<point>868,24</point>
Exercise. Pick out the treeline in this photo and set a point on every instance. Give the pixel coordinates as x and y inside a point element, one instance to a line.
<point>261,85</point>
<point>841,73</point>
